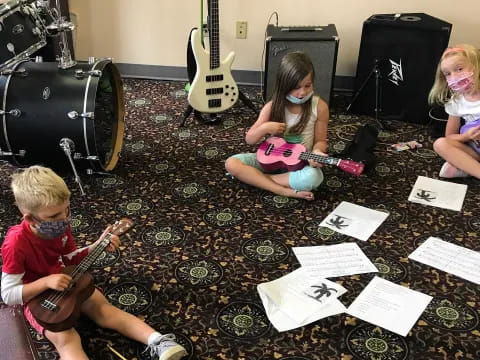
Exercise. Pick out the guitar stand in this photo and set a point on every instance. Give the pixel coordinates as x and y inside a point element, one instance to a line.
<point>214,118</point>
<point>378,95</point>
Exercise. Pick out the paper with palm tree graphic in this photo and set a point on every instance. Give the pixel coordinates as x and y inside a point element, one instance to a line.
<point>298,299</point>
<point>442,194</point>
<point>354,220</point>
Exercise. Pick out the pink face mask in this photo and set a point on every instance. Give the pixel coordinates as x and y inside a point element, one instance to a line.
<point>460,82</point>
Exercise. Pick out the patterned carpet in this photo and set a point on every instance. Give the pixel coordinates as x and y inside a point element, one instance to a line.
<point>203,242</point>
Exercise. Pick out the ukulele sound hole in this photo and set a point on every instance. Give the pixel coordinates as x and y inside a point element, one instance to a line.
<point>287,153</point>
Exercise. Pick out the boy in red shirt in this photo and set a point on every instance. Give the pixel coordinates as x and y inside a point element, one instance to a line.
<point>35,251</point>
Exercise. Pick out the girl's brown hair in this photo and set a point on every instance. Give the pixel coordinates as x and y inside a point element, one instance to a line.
<point>294,67</point>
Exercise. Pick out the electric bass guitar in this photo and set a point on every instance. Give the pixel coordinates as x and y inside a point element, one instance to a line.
<point>213,88</point>
<point>60,310</point>
<point>275,153</point>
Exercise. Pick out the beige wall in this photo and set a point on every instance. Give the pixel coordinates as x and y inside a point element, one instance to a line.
<point>155,32</point>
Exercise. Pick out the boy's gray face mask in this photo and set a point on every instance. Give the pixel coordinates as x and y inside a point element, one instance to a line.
<point>53,229</point>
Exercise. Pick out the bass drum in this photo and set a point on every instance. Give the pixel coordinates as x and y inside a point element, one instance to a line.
<point>45,107</point>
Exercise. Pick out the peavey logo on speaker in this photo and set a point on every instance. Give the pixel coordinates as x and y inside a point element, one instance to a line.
<point>396,74</point>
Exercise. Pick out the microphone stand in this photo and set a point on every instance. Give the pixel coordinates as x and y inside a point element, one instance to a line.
<point>378,95</point>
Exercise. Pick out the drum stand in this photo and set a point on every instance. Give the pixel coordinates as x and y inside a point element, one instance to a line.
<point>68,147</point>
<point>60,26</point>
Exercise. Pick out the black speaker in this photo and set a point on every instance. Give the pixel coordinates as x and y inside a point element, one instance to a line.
<point>319,42</point>
<point>405,50</point>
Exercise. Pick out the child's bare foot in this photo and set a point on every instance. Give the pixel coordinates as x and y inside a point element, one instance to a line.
<point>306,195</point>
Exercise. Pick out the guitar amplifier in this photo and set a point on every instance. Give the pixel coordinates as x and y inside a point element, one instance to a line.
<point>319,42</point>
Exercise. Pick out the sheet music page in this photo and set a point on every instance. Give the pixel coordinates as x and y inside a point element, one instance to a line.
<point>448,257</point>
<point>354,220</point>
<point>442,194</point>
<point>390,306</point>
<point>334,260</point>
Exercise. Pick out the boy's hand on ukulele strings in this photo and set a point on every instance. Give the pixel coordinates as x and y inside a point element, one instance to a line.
<point>58,282</point>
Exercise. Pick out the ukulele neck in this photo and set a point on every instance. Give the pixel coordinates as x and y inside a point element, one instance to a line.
<point>88,261</point>
<point>319,158</point>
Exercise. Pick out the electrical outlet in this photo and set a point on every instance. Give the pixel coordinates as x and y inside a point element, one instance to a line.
<point>241,28</point>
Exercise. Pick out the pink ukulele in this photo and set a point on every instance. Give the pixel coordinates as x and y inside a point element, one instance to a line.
<point>275,153</point>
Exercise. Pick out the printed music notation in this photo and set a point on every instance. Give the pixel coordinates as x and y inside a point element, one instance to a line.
<point>389,305</point>
<point>448,257</point>
<point>334,260</point>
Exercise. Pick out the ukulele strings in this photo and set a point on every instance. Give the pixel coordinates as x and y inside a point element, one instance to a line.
<point>77,273</point>
<point>310,155</point>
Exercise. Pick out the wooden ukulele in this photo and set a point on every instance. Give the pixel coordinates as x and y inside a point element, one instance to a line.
<point>59,310</point>
<point>275,153</point>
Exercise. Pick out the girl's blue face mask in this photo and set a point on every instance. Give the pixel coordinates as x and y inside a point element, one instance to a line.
<point>295,100</point>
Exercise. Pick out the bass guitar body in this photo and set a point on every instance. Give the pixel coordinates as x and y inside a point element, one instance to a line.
<point>59,310</point>
<point>213,89</point>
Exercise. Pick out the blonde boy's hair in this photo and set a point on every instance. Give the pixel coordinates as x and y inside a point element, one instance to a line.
<point>37,187</point>
<point>440,92</point>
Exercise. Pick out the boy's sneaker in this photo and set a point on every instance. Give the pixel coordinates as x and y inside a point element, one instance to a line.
<point>450,171</point>
<point>165,348</point>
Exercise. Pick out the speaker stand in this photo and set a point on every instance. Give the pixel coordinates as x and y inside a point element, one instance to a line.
<point>375,72</point>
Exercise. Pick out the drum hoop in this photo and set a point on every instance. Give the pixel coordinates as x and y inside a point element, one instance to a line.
<point>12,6</point>
<point>85,100</point>
<point>4,105</point>
<point>10,12</point>
<point>25,53</point>
<point>4,116</point>
<point>120,128</point>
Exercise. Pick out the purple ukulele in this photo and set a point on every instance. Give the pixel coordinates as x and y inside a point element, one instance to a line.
<point>275,153</point>
<point>475,144</point>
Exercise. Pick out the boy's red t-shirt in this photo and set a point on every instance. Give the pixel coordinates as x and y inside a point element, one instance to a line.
<point>24,252</point>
